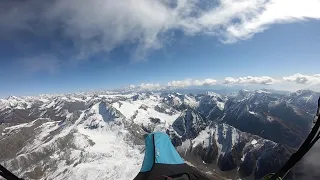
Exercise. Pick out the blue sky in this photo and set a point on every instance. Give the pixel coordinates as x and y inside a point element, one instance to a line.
<point>69,49</point>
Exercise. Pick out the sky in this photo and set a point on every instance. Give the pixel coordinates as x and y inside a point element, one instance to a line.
<point>64,46</point>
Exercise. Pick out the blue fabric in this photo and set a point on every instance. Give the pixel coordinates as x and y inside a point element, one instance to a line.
<point>165,152</point>
<point>148,155</point>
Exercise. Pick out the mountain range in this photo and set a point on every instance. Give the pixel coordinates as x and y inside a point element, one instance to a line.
<point>100,135</point>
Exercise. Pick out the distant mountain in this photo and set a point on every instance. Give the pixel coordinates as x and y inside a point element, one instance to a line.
<point>304,99</point>
<point>211,105</point>
<point>264,114</point>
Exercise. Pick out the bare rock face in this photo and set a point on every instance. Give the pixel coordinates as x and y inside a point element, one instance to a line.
<point>189,124</point>
<point>211,105</point>
<point>269,116</point>
<point>304,99</point>
<point>228,149</point>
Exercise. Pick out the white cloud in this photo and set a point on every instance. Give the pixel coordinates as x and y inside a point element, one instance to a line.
<point>303,79</point>
<point>300,81</point>
<point>206,82</point>
<point>190,82</point>
<point>102,25</point>
<point>149,86</point>
<point>132,86</point>
<point>174,84</point>
<point>183,83</point>
<point>265,80</point>
<point>271,12</point>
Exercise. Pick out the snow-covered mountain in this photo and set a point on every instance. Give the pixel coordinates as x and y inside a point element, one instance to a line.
<point>226,148</point>
<point>268,115</point>
<point>89,145</point>
<point>189,124</point>
<point>211,105</point>
<point>304,99</point>
<point>101,135</point>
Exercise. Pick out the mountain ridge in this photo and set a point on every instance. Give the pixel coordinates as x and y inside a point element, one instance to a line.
<point>218,133</point>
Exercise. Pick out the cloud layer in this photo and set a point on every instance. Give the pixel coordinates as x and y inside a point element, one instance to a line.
<point>102,25</point>
<point>190,82</point>
<point>150,86</point>
<point>250,80</point>
<point>303,79</point>
<point>174,84</point>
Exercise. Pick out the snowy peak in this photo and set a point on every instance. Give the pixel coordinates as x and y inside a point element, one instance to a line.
<point>14,102</point>
<point>141,96</point>
<point>212,94</point>
<point>189,124</point>
<point>211,106</point>
<point>103,113</point>
<point>212,97</point>
<point>224,136</point>
<point>13,98</point>
<point>172,99</point>
<point>59,107</point>
<point>303,92</point>
<point>304,99</point>
<point>243,93</point>
<point>231,149</point>
<point>260,91</point>
<point>264,113</point>
<point>179,101</point>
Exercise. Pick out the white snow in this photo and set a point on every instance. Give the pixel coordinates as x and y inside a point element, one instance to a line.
<point>270,118</point>
<point>51,104</point>
<point>213,94</point>
<point>109,157</point>
<point>224,131</point>
<point>176,101</point>
<point>184,148</point>
<point>58,108</point>
<point>243,157</point>
<point>235,136</point>
<point>117,95</point>
<point>308,98</point>
<point>43,100</point>
<point>253,142</point>
<point>10,129</point>
<point>216,137</point>
<point>202,138</point>
<point>262,91</point>
<point>220,105</point>
<point>113,158</point>
<point>95,108</point>
<point>129,108</point>
<point>191,101</point>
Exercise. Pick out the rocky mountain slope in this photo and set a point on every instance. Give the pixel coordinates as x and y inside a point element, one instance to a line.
<point>226,148</point>
<point>100,135</point>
